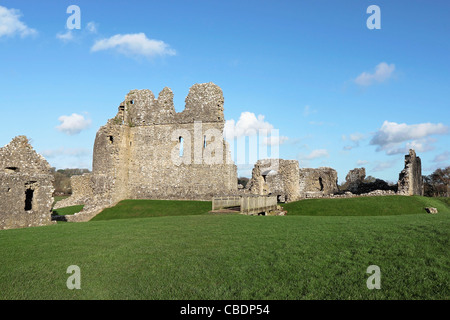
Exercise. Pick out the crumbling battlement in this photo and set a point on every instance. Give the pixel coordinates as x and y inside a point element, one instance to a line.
<point>140,108</point>
<point>26,186</point>
<point>149,151</point>
<point>410,180</point>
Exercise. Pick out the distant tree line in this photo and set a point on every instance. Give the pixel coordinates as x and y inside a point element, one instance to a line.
<point>437,184</point>
<point>62,179</point>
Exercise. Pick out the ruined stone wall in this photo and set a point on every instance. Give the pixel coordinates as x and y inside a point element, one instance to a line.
<point>322,180</point>
<point>276,177</point>
<point>26,186</point>
<point>354,179</point>
<point>410,179</point>
<point>137,153</point>
<point>82,191</point>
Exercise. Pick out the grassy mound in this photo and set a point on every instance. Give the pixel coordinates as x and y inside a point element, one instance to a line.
<point>153,208</point>
<point>365,206</point>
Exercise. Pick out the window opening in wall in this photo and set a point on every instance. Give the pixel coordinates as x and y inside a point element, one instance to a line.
<point>29,193</point>
<point>321,183</point>
<point>204,142</point>
<point>180,139</point>
<point>111,139</point>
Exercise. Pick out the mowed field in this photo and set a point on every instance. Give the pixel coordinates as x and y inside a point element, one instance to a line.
<point>177,250</point>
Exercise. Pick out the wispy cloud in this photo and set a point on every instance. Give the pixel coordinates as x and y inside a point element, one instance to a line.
<point>11,25</point>
<point>271,141</point>
<point>73,124</point>
<point>355,138</point>
<point>307,111</point>
<point>62,151</point>
<point>362,162</point>
<point>383,165</point>
<point>134,45</point>
<point>92,27</point>
<point>383,71</point>
<point>315,154</point>
<point>442,157</point>
<point>66,37</point>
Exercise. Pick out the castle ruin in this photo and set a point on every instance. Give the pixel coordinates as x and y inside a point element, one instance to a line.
<point>288,182</point>
<point>285,179</point>
<point>26,186</point>
<point>149,151</point>
<point>410,180</point>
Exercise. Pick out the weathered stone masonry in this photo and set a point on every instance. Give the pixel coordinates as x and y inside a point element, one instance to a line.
<point>133,152</point>
<point>26,186</point>
<point>410,180</point>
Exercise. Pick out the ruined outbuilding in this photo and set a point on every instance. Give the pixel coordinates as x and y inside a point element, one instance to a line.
<point>410,180</point>
<point>26,186</point>
<point>275,177</point>
<point>289,182</point>
<point>149,151</point>
<point>318,182</point>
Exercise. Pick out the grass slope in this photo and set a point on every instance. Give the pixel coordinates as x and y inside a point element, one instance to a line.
<point>365,206</point>
<point>230,257</point>
<point>67,210</point>
<point>153,208</point>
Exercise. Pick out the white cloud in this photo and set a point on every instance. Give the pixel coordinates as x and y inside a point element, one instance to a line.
<point>391,135</point>
<point>10,24</point>
<point>361,162</point>
<point>66,37</point>
<point>270,141</point>
<point>315,154</point>
<point>383,71</point>
<point>247,125</point>
<point>91,27</point>
<point>134,45</point>
<point>73,124</point>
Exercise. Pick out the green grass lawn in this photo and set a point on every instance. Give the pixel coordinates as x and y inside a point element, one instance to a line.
<point>365,206</point>
<point>59,198</point>
<point>68,210</point>
<point>154,208</point>
<point>231,257</point>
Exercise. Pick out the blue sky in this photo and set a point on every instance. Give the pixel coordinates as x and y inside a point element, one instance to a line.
<point>340,94</point>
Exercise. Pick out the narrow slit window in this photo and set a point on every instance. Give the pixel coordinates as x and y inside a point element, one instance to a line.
<point>204,142</point>
<point>111,139</point>
<point>180,139</point>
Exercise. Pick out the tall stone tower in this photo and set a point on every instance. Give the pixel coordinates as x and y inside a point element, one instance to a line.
<point>410,180</point>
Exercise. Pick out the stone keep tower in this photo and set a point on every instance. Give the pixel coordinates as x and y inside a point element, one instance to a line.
<point>26,186</point>
<point>149,151</point>
<point>410,180</point>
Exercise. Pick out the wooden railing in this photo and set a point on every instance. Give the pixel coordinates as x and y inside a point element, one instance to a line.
<point>249,204</point>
